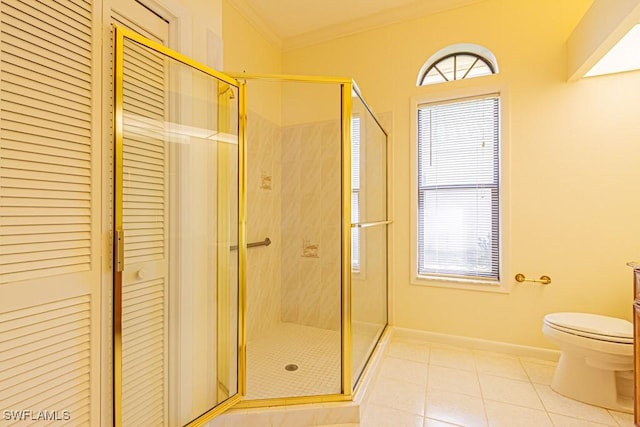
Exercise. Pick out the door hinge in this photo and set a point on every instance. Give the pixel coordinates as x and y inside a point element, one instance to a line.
<point>119,251</point>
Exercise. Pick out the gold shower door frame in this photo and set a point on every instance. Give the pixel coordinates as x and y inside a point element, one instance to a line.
<point>223,313</point>
<point>347,88</point>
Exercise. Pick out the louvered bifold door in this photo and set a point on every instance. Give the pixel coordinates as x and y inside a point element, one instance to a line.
<point>49,213</point>
<point>171,147</point>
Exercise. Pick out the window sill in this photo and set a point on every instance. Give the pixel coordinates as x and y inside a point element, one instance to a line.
<point>463,284</point>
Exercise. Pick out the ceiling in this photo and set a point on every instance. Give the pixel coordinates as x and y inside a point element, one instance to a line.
<point>293,24</point>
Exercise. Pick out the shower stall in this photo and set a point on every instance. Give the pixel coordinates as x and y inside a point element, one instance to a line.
<point>314,153</point>
<point>250,243</point>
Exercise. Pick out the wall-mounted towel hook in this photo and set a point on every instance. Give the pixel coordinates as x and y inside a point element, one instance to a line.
<point>545,280</point>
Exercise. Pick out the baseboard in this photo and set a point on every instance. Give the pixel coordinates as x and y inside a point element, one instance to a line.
<point>478,344</point>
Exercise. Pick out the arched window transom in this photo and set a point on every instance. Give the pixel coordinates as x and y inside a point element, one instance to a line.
<point>457,62</point>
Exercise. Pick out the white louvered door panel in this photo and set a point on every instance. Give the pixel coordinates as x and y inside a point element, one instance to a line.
<point>144,207</point>
<point>49,212</point>
<point>45,157</point>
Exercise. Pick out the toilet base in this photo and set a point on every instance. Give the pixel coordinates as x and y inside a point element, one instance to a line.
<point>576,379</point>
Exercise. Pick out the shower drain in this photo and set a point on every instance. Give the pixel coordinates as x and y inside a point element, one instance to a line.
<point>291,367</point>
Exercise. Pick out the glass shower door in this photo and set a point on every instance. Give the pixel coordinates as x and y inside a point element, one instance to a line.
<point>177,285</point>
<point>369,222</point>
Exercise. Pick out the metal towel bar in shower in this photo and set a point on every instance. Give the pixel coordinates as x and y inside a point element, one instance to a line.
<point>265,242</point>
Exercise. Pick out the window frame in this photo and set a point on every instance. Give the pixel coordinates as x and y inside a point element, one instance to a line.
<point>424,190</point>
<point>450,92</point>
<point>434,65</point>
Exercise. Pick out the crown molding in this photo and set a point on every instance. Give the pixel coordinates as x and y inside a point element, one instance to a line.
<point>379,19</point>
<point>245,9</point>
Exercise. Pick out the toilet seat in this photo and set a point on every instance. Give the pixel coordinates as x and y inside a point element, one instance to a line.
<point>592,326</point>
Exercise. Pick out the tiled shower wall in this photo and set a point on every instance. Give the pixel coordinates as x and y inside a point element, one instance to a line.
<point>311,224</point>
<point>263,220</point>
<point>293,191</point>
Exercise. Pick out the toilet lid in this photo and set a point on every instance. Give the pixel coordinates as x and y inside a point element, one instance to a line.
<point>593,325</point>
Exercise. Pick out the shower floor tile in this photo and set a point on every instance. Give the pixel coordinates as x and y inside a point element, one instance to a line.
<point>315,352</point>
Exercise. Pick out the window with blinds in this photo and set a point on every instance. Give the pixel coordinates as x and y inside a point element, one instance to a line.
<point>459,188</point>
<point>355,193</point>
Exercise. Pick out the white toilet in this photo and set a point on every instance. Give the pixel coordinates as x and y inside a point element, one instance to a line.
<point>596,359</point>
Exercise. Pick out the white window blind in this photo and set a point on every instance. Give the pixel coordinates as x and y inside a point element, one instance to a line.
<point>355,192</point>
<point>458,188</point>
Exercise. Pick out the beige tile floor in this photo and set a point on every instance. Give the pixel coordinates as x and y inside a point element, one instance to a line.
<point>421,384</point>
